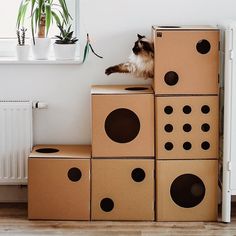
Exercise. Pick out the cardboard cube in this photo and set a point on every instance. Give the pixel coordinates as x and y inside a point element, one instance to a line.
<point>187,190</point>
<point>187,127</point>
<point>122,121</point>
<point>186,60</point>
<point>122,189</point>
<point>59,183</point>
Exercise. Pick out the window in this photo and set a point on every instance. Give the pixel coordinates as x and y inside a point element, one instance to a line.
<point>8,25</point>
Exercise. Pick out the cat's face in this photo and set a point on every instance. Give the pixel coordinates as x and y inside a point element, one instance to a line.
<point>143,46</point>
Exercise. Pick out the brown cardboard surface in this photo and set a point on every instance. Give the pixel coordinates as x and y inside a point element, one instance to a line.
<point>65,151</point>
<point>168,171</point>
<point>52,195</point>
<point>121,89</point>
<point>142,105</point>
<point>177,119</point>
<point>185,27</point>
<point>175,50</point>
<point>132,200</point>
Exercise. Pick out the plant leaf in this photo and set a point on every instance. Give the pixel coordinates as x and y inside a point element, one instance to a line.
<point>48,17</point>
<point>86,51</point>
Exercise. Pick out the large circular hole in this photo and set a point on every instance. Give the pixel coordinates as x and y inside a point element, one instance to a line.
<point>47,150</point>
<point>187,109</point>
<point>107,204</point>
<point>74,174</point>
<point>203,46</point>
<point>187,146</point>
<point>168,110</point>
<point>171,78</point>
<point>169,146</point>
<point>138,175</point>
<point>136,88</point>
<point>205,127</point>
<point>205,145</point>
<point>168,128</point>
<point>122,125</point>
<point>205,109</point>
<point>187,190</point>
<point>187,127</point>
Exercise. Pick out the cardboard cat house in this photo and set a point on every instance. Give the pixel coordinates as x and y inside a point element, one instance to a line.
<point>122,189</point>
<point>186,60</point>
<point>59,182</point>
<point>187,127</point>
<point>122,121</point>
<point>187,190</point>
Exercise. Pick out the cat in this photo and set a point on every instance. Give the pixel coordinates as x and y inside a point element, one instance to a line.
<point>141,60</point>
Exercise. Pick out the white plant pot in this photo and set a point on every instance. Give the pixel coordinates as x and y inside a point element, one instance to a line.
<point>41,48</point>
<point>22,52</point>
<point>65,51</point>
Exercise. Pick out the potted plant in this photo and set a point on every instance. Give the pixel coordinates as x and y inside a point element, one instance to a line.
<point>22,49</point>
<point>42,15</point>
<point>65,45</point>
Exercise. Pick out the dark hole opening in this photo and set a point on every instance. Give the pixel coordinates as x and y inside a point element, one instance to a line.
<point>187,145</point>
<point>136,88</point>
<point>168,128</point>
<point>169,26</point>
<point>187,127</point>
<point>74,174</point>
<point>187,109</point>
<point>205,109</point>
<point>138,175</point>
<point>203,46</point>
<point>187,190</point>
<point>169,146</point>
<point>205,145</point>
<point>122,125</point>
<point>47,150</point>
<point>205,127</point>
<point>107,204</point>
<point>168,110</point>
<point>171,78</point>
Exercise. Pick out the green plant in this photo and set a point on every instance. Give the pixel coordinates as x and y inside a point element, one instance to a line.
<point>66,35</point>
<point>21,36</point>
<point>42,14</point>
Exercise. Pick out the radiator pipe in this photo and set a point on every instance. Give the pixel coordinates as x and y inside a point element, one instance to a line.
<point>39,105</point>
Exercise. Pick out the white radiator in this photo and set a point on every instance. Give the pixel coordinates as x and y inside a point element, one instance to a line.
<point>15,141</point>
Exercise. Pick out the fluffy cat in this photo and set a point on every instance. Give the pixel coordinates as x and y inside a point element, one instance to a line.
<point>141,60</point>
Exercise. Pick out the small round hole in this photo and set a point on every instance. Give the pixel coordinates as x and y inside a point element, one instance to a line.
<point>74,174</point>
<point>168,128</point>
<point>47,150</point>
<point>171,78</point>
<point>169,146</point>
<point>138,175</point>
<point>205,145</point>
<point>168,110</point>
<point>203,46</point>
<point>187,127</point>
<point>136,88</point>
<point>205,127</point>
<point>205,109</point>
<point>107,204</point>
<point>187,146</point>
<point>187,109</point>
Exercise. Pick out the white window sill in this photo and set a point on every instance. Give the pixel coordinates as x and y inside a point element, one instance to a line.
<point>31,61</point>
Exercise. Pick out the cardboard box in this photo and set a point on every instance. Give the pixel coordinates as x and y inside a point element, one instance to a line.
<point>122,189</point>
<point>122,121</point>
<point>187,127</point>
<point>59,182</point>
<point>186,60</point>
<point>187,190</point>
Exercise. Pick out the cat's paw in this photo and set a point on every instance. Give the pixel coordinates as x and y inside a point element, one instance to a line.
<point>109,71</point>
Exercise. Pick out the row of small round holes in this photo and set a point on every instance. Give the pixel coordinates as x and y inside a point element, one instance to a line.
<point>205,109</point>
<point>187,128</point>
<point>187,146</point>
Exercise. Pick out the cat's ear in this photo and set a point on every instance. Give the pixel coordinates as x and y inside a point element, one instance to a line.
<point>140,36</point>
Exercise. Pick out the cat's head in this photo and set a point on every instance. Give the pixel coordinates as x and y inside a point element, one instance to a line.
<point>143,46</point>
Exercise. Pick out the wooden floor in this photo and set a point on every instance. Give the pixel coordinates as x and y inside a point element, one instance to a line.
<point>13,221</point>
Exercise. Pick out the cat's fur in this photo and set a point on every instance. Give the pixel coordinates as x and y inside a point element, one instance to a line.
<point>141,60</point>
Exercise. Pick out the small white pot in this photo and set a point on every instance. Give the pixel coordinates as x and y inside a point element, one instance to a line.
<point>22,52</point>
<point>65,51</point>
<point>41,48</point>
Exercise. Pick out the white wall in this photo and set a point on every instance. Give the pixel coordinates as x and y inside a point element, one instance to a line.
<point>113,26</point>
